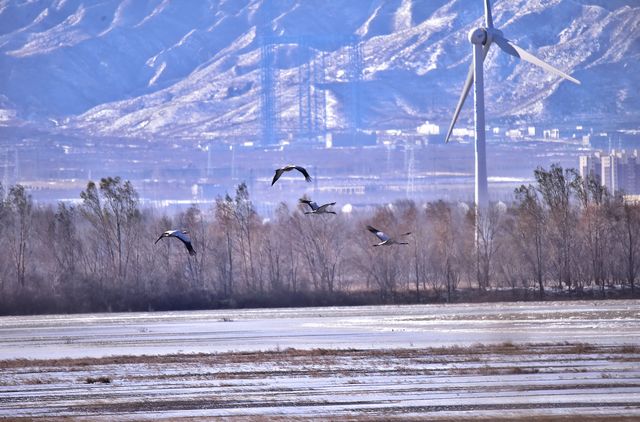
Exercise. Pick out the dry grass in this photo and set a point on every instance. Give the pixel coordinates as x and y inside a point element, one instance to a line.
<point>367,418</point>
<point>254,379</point>
<point>432,355</point>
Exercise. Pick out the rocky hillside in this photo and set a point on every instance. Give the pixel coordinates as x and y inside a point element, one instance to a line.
<point>191,68</point>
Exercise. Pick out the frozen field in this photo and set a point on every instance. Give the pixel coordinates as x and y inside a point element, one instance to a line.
<point>561,360</point>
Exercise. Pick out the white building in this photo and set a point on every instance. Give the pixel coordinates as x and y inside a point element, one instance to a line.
<point>551,134</point>
<point>617,171</point>
<point>514,133</point>
<point>428,129</point>
<point>591,164</point>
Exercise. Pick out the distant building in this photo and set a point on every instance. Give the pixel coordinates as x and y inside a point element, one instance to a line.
<point>609,172</point>
<point>551,134</point>
<point>597,141</point>
<point>432,132</point>
<point>591,164</point>
<point>462,132</point>
<point>617,171</point>
<point>428,129</point>
<point>343,190</point>
<point>514,133</point>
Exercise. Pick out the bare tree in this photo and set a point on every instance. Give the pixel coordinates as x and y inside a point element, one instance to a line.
<point>382,266</point>
<point>594,226</point>
<point>246,220</point>
<point>625,222</point>
<point>557,187</point>
<point>19,206</point>
<point>225,224</point>
<point>487,224</point>
<point>277,251</point>
<point>113,213</point>
<point>194,222</point>
<point>444,254</point>
<point>321,240</point>
<point>511,269</point>
<point>420,248</point>
<point>529,233</point>
<point>292,261</point>
<point>63,245</point>
<point>4,252</point>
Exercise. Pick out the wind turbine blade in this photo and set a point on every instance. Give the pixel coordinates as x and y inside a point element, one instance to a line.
<point>510,48</point>
<point>488,20</point>
<point>465,92</point>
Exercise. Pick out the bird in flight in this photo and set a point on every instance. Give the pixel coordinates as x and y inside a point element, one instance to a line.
<point>180,235</point>
<point>386,240</point>
<point>315,209</point>
<point>289,168</point>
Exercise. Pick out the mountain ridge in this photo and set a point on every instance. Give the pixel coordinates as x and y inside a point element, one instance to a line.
<point>192,69</point>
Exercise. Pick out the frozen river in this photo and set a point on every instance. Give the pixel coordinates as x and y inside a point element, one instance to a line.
<point>380,327</point>
<point>561,361</point>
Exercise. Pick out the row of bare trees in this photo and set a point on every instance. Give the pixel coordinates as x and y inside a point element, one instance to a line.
<point>563,234</point>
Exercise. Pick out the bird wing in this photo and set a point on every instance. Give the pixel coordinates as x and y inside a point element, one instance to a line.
<point>401,235</point>
<point>165,234</point>
<point>185,240</point>
<point>378,233</point>
<point>192,252</point>
<point>277,175</point>
<point>324,207</point>
<point>312,204</point>
<point>304,172</point>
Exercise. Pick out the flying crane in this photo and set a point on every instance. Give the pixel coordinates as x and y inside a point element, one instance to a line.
<point>386,240</point>
<point>289,168</point>
<point>180,235</point>
<point>315,209</point>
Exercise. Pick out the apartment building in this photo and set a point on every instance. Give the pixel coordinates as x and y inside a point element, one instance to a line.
<point>617,171</point>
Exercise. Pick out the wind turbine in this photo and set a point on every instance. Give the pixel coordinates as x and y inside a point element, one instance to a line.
<point>482,38</point>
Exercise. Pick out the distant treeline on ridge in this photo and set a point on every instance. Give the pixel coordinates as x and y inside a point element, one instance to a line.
<point>563,237</point>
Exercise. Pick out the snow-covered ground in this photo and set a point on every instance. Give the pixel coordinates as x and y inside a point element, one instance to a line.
<point>492,361</point>
<point>367,327</point>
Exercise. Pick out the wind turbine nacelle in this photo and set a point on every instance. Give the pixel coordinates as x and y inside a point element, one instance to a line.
<point>478,36</point>
<point>483,35</point>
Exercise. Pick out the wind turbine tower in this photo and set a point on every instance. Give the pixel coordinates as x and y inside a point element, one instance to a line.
<point>482,38</point>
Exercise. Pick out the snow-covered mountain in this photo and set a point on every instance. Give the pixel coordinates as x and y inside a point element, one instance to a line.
<point>192,68</point>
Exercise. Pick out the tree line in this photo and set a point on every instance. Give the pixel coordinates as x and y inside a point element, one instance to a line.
<point>560,237</point>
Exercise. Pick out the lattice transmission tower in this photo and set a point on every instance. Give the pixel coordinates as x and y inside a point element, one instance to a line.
<point>411,173</point>
<point>355,54</point>
<point>9,160</point>
<point>269,80</point>
<point>312,52</point>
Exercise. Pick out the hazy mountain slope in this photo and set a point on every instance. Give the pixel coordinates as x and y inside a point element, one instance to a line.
<point>192,68</point>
